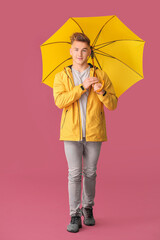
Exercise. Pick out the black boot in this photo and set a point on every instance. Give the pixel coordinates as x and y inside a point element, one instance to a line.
<point>88,216</point>
<point>75,224</point>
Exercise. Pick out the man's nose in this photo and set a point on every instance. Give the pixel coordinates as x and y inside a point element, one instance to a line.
<point>80,53</point>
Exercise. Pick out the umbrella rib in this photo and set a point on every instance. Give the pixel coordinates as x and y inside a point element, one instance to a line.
<point>103,44</point>
<point>77,24</point>
<point>54,42</point>
<point>108,55</point>
<point>56,68</point>
<point>95,40</point>
<point>107,43</point>
<point>97,61</point>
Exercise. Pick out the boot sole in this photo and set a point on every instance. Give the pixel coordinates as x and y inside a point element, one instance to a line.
<point>80,226</point>
<point>92,224</point>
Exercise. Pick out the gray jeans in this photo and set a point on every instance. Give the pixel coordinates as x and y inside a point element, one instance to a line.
<point>74,150</point>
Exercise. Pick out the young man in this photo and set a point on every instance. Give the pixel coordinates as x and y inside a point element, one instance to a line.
<point>82,96</point>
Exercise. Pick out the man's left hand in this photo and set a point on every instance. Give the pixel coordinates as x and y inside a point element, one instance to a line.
<point>97,86</point>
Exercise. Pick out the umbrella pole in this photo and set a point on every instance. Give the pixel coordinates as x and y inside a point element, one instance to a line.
<point>92,56</point>
<point>94,74</point>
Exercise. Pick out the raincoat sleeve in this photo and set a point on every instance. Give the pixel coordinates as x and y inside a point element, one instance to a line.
<point>62,97</point>
<point>109,98</point>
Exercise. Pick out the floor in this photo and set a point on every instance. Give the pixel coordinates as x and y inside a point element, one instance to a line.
<point>34,208</point>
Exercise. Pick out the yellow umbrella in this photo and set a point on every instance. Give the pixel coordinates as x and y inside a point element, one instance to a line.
<point>115,49</point>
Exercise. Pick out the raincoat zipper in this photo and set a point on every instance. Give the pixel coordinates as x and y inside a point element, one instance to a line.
<point>77,105</point>
<point>79,121</point>
<point>95,75</point>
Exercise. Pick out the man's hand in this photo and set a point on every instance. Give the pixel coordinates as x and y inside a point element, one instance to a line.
<point>89,81</point>
<point>97,86</point>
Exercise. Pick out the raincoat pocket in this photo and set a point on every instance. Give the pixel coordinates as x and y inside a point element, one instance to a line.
<point>64,118</point>
<point>98,117</point>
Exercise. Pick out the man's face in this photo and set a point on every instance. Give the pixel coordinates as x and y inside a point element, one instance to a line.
<point>80,52</point>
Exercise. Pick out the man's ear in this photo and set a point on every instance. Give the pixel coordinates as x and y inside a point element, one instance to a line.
<point>70,50</point>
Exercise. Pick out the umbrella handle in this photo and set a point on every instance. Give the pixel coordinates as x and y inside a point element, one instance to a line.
<point>100,89</point>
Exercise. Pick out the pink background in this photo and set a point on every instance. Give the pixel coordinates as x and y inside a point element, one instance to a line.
<point>33,168</point>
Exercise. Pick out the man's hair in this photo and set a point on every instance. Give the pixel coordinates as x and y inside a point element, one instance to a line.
<point>78,36</point>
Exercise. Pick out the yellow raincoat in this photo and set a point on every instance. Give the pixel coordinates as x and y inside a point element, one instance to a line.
<point>66,96</point>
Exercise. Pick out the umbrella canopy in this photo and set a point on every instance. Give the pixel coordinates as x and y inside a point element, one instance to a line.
<point>116,50</point>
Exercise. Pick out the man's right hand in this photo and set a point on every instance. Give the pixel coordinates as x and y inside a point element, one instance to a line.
<point>89,81</point>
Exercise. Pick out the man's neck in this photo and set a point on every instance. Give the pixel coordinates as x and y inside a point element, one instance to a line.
<point>80,68</point>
